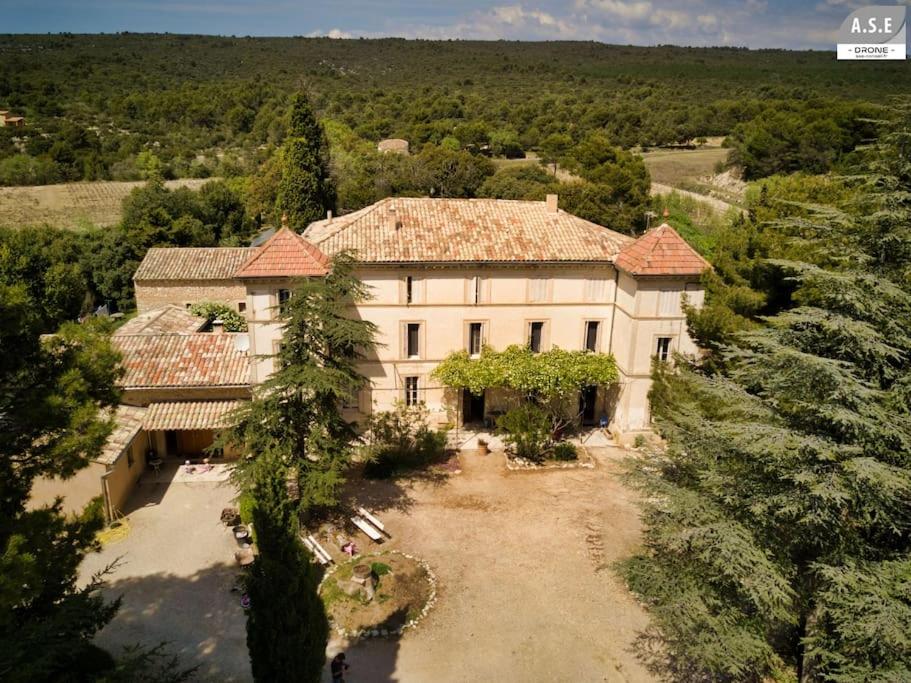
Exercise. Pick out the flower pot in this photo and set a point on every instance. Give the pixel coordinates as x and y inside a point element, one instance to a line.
<point>482,447</point>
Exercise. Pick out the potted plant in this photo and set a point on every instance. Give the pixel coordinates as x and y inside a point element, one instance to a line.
<point>483,448</point>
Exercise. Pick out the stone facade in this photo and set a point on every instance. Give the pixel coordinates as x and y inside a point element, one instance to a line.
<point>152,294</point>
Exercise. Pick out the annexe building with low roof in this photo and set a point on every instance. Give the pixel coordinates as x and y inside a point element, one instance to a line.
<point>180,386</point>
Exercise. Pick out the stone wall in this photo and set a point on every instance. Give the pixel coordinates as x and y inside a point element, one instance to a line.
<point>143,397</point>
<point>152,294</point>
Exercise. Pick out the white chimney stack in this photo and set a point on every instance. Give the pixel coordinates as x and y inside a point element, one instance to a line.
<point>551,202</point>
<point>218,326</point>
<point>329,216</point>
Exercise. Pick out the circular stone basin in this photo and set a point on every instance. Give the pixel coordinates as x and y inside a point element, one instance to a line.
<point>402,589</point>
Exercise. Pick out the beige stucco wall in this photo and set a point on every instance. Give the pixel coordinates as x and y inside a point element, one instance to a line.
<point>122,476</point>
<point>76,492</point>
<point>632,318</point>
<point>152,294</point>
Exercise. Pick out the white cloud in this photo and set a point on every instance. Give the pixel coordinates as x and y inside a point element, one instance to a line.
<point>640,9</point>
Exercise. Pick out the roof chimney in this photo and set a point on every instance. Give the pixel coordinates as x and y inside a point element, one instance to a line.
<point>285,219</point>
<point>551,203</point>
<point>393,223</point>
<point>218,326</point>
<point>329,216</point>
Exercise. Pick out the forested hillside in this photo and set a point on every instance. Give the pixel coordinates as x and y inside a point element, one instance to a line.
<point>100,106</point>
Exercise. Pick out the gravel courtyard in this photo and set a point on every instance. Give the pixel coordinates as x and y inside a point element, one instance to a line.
<point>525,591</point>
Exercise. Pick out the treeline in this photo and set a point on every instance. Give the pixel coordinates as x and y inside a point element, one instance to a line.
<point>208,106</point>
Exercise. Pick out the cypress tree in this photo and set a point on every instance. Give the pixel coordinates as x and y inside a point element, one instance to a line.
<point>305,192</point>
<point>287,627</point>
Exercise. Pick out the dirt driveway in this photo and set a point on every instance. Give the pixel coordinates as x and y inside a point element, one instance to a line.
<point>525,589</point>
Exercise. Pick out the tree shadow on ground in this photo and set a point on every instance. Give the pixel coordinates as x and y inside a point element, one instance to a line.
<point>199,618</point>
<point>394,493</point>
<point>650,648</point>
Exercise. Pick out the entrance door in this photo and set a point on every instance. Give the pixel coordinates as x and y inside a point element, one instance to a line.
<point>170,442</point>
<point>472,407</point>
<point>587,399</point>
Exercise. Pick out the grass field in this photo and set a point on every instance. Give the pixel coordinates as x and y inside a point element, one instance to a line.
<point>71,205</point>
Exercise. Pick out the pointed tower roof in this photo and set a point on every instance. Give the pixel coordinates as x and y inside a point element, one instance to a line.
<point>286,254</point>
<point>661,251</point>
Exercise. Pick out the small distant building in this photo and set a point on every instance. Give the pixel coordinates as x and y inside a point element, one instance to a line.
<point>394,145</point>
<point>13,121</point>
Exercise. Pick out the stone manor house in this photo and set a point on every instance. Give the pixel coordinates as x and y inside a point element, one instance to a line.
<point>445,274</point>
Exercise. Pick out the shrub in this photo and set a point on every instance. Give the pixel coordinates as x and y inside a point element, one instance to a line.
<point>212,310</point>
<point>246,504</point>
<point>400,439</point>
<point>565,451</point>
<point>527,431</point>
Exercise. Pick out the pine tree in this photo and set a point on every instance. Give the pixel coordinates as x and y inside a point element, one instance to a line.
<point>305,192</point>
<point>777,519</point>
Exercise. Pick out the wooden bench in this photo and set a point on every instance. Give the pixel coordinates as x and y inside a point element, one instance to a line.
<point>367,529</point>
<point>318,551</point>
<point>373,520</point>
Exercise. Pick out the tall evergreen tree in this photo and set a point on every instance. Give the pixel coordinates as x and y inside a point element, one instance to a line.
<point>287,626</point>
<point>305,192</point>
<point>301,446</point>
<point>51,392</point>
<point>777,520</point>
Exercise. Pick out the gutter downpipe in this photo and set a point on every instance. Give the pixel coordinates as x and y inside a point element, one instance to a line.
<point>613,312</point>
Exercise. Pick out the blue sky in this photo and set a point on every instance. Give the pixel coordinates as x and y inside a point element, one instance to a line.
<point>754,23</point>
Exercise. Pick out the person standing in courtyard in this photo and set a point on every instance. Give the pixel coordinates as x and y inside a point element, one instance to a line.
<point>338,668</point>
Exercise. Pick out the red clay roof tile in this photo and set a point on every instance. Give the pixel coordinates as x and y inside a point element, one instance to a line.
<point>183,360</point>
<point>661,251</point>
<point>286,254</point>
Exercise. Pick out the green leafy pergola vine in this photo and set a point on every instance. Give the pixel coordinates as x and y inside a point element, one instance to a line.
<point>548,376</point>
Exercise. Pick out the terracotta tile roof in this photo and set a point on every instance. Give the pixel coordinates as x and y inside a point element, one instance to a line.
<point>408,229</point>
<point>127,423</point>
<point>192,263</point>
<point>661,251</point>
<point>167,320</point>
<point>183,360</point>
<point>186,415</point>
<point>286,254</point>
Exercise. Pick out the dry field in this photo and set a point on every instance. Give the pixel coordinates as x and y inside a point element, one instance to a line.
<point>676,167</point>
<point>72,205</point>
